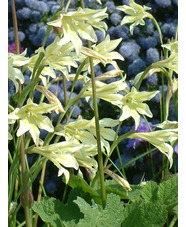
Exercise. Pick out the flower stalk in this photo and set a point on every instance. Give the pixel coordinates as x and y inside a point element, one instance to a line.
<point>40,191</point>
<point>25,184</point>
<point>15,27</point>
<point>96,113</point>
<point>100,157</point>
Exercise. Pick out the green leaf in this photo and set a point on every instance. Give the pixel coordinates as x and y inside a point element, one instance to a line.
<point>112,186</point>
<point>149,192</point>
<point>56,214</point>
<point>135,193</point>
<point>96,216</point>
<point>144,214</point>
<point>168,191</point>
<point>78,182</point>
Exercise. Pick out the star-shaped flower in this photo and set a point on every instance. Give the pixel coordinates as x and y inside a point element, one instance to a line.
<point>103,52</point>
<point>80,23</point>
<point>84,131</point>
<point>14,61</point>
<point>57,56</point>
<point>31,119</point>
<point>133,105</point>
<point>136,14</point>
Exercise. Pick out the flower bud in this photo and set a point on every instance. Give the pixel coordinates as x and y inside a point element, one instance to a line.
<point>89,174</point>
<point>58,30</point>
<point>13,206</point>
<point>30,198</point>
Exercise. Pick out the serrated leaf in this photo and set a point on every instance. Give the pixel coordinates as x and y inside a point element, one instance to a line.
<point>96,216</point>
<point>111,186</point>
<point>78,182</point>
<point>144,214</point>
<point>149,192</point>
<point>168,191</point>
<point>135,193</point>
<point>56,214</point>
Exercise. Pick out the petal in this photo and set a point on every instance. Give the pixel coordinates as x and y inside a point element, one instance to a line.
<point>34,131</point>
<point>143,108</point>
<point>126,113</point>
<point>108,122</point>
<point>43,122</point>
<point>70,31</point>
<point>108,133</point>
<point>23,127</point>
<point>136,117</point>
<point>67,160</point>
<point>65,172</point>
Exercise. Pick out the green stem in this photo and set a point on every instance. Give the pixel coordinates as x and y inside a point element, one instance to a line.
<point>40,191</point>
<point>163,99</point>
<point>25,185</point>
<point>61,5</point>
<point>157,26</point>
<point>120,160</point>
<point>116,134</point>
<point>138,157</point>
<point>175,218</point>
<point>116,142</point>
<point>15,27</point>
<point>147,123</point>
<point>65,95</point>
<point>98,136</point>
<point>67,5</point>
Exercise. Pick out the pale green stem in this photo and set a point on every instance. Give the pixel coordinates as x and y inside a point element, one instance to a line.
<point>25,185</point>
<point>61,5</point>
<point>67,5</point>
<point>98,136</point>
<point>65,95</point>
<point>40,191</point>
<point>116,142</point>
<point>120,160</point>
<point>175,218</point>
<point>176,35</point>
<point>157,26</point>
<point>115,137</point>
<point>147,123</point>
<point>15,27</point>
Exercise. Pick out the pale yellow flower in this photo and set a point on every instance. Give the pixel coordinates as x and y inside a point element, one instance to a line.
<point>84,131</point>
<point>14,61</point>
<point>57,56</point>
<point>61,154</point>
<point>136,14</point>
<point>133,105</point>
<point>31,119</point>
<point>103,52</point>
<point>81,23</point>
<point>159,139</point>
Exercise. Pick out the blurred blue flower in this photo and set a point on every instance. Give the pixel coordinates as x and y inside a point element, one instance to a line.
<point>176,148</point>
<point>142,128</point>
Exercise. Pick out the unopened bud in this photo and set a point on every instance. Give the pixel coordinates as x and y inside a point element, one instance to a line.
<point>58,30</point>
<point>89,174</point>
<point>13,206</point>
<point>30,198</point>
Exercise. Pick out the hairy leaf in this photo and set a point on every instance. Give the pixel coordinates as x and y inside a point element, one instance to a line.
<point>78,182</point>
<point>144,214</point>
<point>56,214</point>
<point>168,191</point>
<point>96,216</point>
<point>149,192</point>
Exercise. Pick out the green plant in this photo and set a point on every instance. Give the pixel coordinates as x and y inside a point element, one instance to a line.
<point>73,146</point>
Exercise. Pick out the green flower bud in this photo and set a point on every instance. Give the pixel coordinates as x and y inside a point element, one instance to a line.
<point>30,198</point>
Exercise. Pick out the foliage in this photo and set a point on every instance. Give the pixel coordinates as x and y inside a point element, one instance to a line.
<point>46,122</point>
<point>151,207</point>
